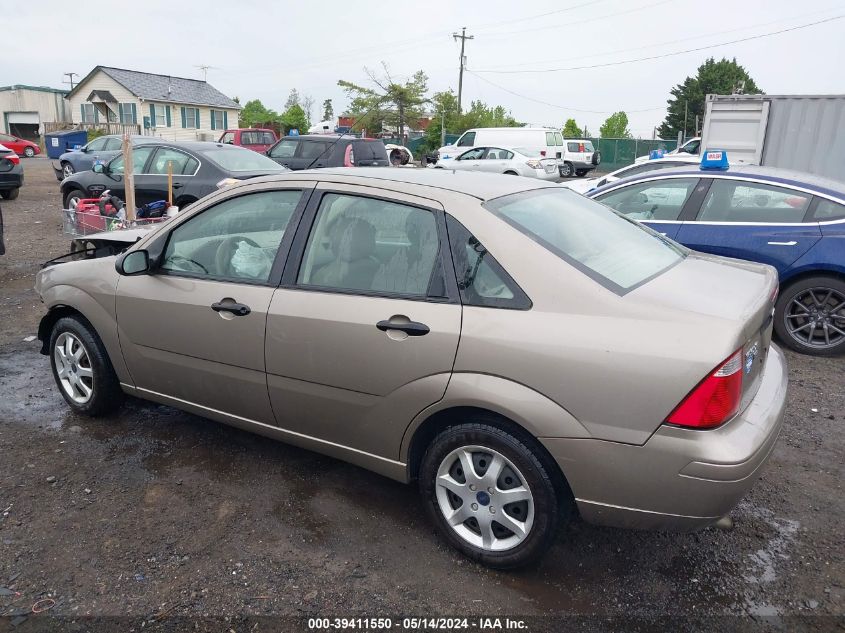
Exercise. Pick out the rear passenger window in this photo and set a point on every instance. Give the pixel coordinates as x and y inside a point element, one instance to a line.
<point>367,244</point>
<point>652,200</point>
<point>284,149</point>
<point>481,280</point>
<point>312,149</point>
<point>573,147</point>
<point>741,201</point>
<point>828,210</point>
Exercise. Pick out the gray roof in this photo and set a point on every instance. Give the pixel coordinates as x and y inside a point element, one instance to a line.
<point>152,87</point>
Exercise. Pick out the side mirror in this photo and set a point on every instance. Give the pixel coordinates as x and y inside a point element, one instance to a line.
<point>98,168</point>
<point>133,263</point>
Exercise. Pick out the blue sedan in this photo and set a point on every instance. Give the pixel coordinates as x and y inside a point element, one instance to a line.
<point>790,220</point>
<point>101,149</point>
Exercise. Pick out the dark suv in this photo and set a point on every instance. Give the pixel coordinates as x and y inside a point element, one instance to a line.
<point>323,150</point>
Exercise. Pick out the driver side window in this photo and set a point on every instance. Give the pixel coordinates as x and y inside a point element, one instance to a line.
<point>652,200</point>
<point>235,240</point>
<point>473,154</point>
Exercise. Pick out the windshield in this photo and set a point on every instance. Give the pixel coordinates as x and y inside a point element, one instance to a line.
<point>615,251</point>
<point>231,158</point>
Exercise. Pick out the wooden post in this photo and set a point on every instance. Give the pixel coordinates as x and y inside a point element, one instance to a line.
<point>169,184</point>
<point>129,177</point>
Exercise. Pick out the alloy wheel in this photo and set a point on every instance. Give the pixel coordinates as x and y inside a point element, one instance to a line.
<point>68,170</point>
<point>484,498</point>
<point>73,368</point>
<point>815,317</point>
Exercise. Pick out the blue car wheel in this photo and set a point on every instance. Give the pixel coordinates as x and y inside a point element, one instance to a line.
<point>810,316</point>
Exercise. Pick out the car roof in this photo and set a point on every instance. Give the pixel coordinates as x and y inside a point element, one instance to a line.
<point>773,175</point>
<point>329,137</point>
<point>478,185</point>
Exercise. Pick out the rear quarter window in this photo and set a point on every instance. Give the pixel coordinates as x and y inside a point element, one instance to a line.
<point>827,210</point>
<point>369,150</point>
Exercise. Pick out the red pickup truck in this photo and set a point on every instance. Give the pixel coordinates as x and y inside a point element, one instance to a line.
<point>257,139</point>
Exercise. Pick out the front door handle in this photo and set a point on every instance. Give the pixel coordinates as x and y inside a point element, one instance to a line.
<point>177,185</point>
<point>238,309</point>
<point>412,328</point>
<point>790,243</point>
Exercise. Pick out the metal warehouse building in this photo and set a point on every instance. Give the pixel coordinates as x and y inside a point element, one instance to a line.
<point>25,109</point>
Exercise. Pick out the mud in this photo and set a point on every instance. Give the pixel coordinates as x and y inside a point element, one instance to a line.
<point>153,510</point>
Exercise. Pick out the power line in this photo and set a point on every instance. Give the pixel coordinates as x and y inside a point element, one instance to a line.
<point>664,55</point>
<point>555,105</point>
<point>534,17</point>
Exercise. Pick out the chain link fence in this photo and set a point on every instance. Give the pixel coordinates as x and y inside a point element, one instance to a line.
<point>620,152</point>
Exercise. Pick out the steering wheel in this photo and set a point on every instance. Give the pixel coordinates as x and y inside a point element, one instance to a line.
<point>176,259</point>
<point>226,250</point>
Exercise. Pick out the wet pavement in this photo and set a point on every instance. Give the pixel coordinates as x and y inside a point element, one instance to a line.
<point>153,511</point>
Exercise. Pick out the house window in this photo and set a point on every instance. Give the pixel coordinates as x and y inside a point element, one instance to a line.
<point>159,115</point>
<point>190,118</point>
<point>218,120</point>
<point>112,115</point>
<point>128,114</point>
<point>88,113</point>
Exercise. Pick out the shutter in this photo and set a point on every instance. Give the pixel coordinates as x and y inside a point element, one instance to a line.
<point>82,109</point>
<point>225,120</point>
<point>213,120</point>
<point>152,115</point>
<point>184,118</point>
<point>167,114</point>
<point>96,114</point>
<point>134,114</point>
<point>120,113</point>
<point>197,110</point>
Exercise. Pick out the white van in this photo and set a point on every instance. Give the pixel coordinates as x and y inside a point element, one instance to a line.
<point>547,142</point>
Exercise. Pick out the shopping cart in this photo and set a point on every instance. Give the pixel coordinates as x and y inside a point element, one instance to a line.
<point>86,219</point>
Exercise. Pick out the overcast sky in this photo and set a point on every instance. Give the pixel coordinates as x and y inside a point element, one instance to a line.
<point>262,49</point>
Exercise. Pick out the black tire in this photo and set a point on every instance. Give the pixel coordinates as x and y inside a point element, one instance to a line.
<point>511,173</point>
<point>28,152</point>
<point>69,197</point>
<point>581,172</point>
<point>799,291</point>
<point>566,170</point>
<point>106,393</point>
<point>597,158</point>
<point>10,194</point>
<point>552,506</point>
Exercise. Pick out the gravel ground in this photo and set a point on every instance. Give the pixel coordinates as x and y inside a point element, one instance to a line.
<point>155,515</point>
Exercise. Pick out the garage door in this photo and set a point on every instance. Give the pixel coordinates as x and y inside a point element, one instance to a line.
<point>22,117</point>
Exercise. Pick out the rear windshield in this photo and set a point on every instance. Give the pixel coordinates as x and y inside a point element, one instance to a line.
<point>231,158</point>
<point>369,150</point>
<point>617,252</point>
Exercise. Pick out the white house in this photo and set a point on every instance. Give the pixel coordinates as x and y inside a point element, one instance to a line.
<point>173,108</point>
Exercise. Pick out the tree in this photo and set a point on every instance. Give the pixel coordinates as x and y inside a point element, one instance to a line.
<point>254,114</point>
<point>293,99</point>
<point>390,102</point>
<point>294,118</point>
<point>687,101</point>
<point>328,110</point>
<point>571,129</point>
<point>308,107</point>
<point>616,126</point>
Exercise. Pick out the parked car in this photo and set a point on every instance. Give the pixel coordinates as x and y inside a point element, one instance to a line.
<point>691,147</point>
<point>256,139</point>
<point>399,155</point>
<point>547,142</point>
<point>328,150</point>
<point>519,350</point>
<point>517,161</point>
<point>198,168</point>
<point>101,149</point>
<point>579,158</point>
<point>790,220</point>
<point>20,146</point>
<point>583,186</point>
<point>11,173</point>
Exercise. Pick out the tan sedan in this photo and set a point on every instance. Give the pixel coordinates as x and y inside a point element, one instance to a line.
<point>522,352</point>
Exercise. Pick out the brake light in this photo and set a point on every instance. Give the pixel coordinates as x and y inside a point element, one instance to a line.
<point>349,157</point>
<point>716,398</point>
<point>12,158</point>
<point>581,147</point>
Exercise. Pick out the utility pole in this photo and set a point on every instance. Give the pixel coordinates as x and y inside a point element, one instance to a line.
<point>685,119</point>
<point>463,37</point>
<point>70,77</point>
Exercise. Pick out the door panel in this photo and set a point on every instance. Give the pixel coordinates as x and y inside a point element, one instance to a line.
<point>175,344</point>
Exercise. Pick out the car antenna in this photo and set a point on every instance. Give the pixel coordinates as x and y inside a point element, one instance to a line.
<point>354,123</point>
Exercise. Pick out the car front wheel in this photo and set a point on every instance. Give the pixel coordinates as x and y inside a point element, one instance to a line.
<point>810,316</point>
<point>10,194</point>
<point>28,152</point>
<point>82,369</point>
<point>73,197</point>
<point>490,495</point>
<point>68,170</point>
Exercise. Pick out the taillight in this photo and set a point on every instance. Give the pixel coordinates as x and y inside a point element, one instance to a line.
<point>348,157</point>
<point>12,158</point>
<point>581,147</point>
<point>716,398</point>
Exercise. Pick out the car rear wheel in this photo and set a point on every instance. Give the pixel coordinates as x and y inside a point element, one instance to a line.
<point>28,152</point>
<point>490,495</point>
<point>68,170</point>
<point>581,172</point>
<point>566,170</point>
<point>82,369</point>
<point>73,197</point>
<point>10,194</point>
<point>810,316</point>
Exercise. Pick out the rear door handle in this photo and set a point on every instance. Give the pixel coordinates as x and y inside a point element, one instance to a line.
<point>790,243</point>
<point>411,329</point>
<point>238,309</point>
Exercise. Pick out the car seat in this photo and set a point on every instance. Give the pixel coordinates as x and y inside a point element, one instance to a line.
<point>354,264</point>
